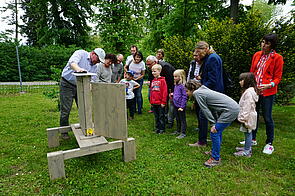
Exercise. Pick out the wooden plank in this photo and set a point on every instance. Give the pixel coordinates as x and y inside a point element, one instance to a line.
<point>86,141</point>
<point>63,129</point>
<point>88,103</point>
<point>80,95</point>
<point>84,102</point>
<point>78,152</point>
<point>109,110</point>
<point>129,150</point>
<point>56,165</point>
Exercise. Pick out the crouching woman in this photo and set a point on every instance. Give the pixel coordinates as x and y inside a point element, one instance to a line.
<point>219,109</point>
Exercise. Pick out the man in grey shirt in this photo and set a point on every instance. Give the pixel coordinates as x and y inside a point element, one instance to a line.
<point>219,109</point>
<point>104,70</point>
<point>80,61</point>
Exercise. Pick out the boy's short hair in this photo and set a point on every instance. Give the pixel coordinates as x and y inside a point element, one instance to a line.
<point>157,66</point>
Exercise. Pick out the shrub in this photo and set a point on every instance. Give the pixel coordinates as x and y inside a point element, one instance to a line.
<point>178,51</point>
<point>286,32</point>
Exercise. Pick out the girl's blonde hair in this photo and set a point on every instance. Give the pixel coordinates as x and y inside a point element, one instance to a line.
<point>181,74</point>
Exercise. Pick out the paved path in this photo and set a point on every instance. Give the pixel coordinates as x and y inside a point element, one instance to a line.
<point>29,83</point>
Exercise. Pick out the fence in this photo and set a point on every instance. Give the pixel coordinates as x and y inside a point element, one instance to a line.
<point>29,87</point>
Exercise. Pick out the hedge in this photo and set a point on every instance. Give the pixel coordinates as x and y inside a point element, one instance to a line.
<point>35,62</point>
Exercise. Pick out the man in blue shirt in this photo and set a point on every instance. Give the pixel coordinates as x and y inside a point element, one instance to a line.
<point>80,61</point>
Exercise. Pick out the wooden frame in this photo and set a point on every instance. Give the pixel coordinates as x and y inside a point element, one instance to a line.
<point>99,104</point>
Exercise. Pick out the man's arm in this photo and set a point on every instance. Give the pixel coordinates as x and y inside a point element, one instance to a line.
<point>76,67</point>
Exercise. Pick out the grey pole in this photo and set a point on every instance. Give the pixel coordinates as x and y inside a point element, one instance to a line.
<point>19,71</point>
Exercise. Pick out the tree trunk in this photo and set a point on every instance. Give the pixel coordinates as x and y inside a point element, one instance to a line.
<point>16,22</point>
<point>234,9</point>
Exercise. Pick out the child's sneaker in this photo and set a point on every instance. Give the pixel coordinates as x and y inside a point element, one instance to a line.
<point>243,154</point>
<point>240,148</point>
<point>254,142</point>
<point>181,136</point>
<point>212,162</point>
<point>268,149</point>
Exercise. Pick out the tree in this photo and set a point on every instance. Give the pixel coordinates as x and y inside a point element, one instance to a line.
<point>234,7</point>
<point>156,11</point>
<point>181,18</point>
<point>266,11</point>
<point>56,22</point>
<point>12,20</point>
<point>119,23</point>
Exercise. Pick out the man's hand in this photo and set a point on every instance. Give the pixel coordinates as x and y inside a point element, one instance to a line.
<point>76,68</point>
<point>162,105</point>
<point>213,130</point>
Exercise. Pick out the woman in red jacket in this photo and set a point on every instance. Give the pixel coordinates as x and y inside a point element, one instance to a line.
<point>267,66</point>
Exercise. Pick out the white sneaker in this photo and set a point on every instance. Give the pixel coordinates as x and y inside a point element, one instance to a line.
<point>268,149</point>
<point>254,142</point>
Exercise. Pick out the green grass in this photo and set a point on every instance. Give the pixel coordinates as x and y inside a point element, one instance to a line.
<point>164,164</point>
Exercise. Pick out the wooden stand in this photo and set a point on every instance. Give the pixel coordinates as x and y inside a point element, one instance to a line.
<point>102,107</point>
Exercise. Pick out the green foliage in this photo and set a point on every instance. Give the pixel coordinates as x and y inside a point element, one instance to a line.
<point>35,62</point>
<point>178,51</point>
<point>54,95</point>
<point>58,22</point>
<point>56,72</point>
<point>120,24</point>
<point>286,32</point>
<point>235,43</point>
<point>266,11</point>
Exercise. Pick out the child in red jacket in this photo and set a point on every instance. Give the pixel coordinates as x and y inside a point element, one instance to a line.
<point>158,98</point>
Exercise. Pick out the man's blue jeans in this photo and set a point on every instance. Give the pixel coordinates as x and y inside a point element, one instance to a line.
<point>217,139</point>
<point>265,103</point>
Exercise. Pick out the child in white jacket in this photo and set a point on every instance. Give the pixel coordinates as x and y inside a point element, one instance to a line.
<point>247,115</point>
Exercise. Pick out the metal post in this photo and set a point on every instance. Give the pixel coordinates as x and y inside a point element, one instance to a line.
<point>19,71</point>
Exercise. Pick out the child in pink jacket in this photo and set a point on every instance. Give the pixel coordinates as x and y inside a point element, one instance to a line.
<point>247,115</point>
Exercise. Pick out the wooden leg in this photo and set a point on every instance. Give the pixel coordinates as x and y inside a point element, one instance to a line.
<point>56,165</point>
<point>53,134</point>
<point>53,137</point>
<point>129,150</point>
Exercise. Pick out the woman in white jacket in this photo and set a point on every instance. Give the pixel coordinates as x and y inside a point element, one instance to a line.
<point>247,115</point>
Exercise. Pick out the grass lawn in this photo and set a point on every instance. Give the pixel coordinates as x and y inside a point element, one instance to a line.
<point>164,165</point>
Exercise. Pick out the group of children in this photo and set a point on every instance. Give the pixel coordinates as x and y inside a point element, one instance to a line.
<point>219,109</point>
